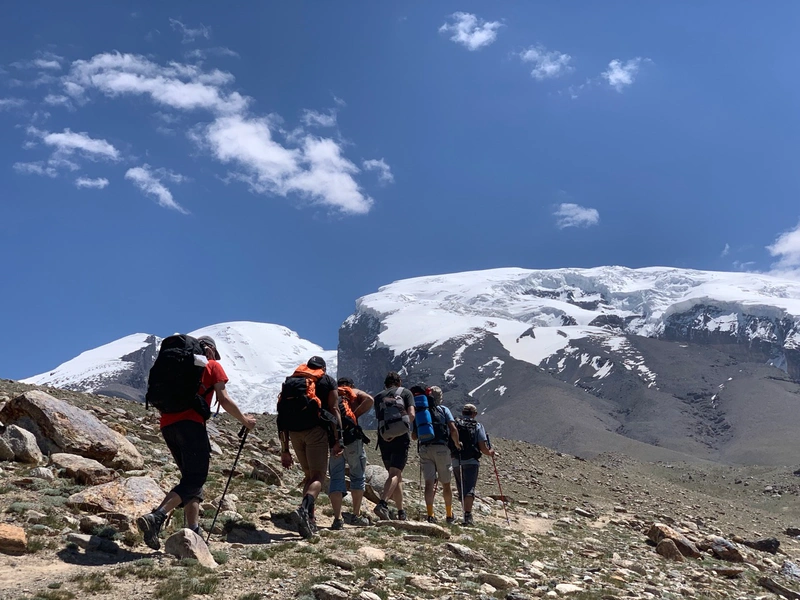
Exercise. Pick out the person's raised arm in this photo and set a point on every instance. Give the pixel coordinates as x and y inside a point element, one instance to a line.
<point>365,403</point>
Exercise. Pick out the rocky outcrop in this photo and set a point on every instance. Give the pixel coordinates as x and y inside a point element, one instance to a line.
<point>133,496</point>
<point>62,427</point>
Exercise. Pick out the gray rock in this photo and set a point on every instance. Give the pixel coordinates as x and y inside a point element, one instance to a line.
<point>23,444</point>
<point>133,496</point>
<point>375,476</point>
<point>61,427</point>
<point>465,553</point>
<point>326,591</point>
<point>501,582</point>
<point>93,542</point>
<point>429,529</point>
<point>187,544</point>
<point>669,550</point>
<point>91,523</point>
<point>722,548</point>
<point>266,472</point>
<point>42,473</point>
<point>6,453</point>
<point>83,470</point>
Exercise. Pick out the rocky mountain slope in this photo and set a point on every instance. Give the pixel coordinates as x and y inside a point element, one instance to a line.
<point>257,358</point>
<point>606,528</point>
<point>651,362</point>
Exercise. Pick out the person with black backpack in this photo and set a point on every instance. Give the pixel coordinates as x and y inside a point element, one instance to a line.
<point>352,404</point>
<point>181,383</point>
<point>466,460</point>
<point>308,416</point>
<point>433,447</point>
<point>394,410</point>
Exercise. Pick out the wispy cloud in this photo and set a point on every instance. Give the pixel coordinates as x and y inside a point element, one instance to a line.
<point>149,182</point>
<point>725,251</point>
<point>43,61</point>
<point>470,31</point>
<point>190,34</point>
<point>547,64</point>
<point>203,53</point>
<point>180,86</point>
<point>573,215</point>
<point>620,75</point>
<point>58,100</point>
<point>313,117</point>
<point>35,168</point>
<point>786,248</point>
<point>68,142</point>
<point>95,184</point>
<point>11,103</point>
<point>384,171</point>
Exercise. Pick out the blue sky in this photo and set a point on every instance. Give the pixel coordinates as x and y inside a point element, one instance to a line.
<point>165,166</point>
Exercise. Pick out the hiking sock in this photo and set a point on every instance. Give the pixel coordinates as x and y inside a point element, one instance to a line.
<point>430,509</point>
<point>449,509</point>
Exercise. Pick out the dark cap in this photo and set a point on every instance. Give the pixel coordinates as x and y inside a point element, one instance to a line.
<point>418,390</point>
<point>345,382</point>
<point>317,362</point>
<point>207,340</point>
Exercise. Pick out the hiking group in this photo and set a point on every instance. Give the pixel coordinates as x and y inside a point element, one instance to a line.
<point>319,418</point>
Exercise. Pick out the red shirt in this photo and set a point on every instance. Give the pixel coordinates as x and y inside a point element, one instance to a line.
<point>213,374</point>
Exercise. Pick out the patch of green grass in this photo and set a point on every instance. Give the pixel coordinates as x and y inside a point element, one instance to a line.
<point>5,488</point>
<point>21,507</point>
<point>251,596</point>
<point>179,588</point>
<point>53,595</point>
<point>144,562</point>
<point>35,544</point>
<point>93,582</point>
<point>54,501</point>
<point>132,538</point>
<point>220,556</point>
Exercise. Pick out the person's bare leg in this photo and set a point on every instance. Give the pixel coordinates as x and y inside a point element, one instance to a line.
<point>171,502</point>
<point>192,513</point>
<point>392,483</point>
<point>398,493</point>
<point>336,503</point>
<point>358,496</point>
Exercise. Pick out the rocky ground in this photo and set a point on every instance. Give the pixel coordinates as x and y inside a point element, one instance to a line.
<point>605,528</point>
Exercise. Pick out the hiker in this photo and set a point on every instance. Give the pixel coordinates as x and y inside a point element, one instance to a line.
<point>394,409</point>
<point>308,416</point>
<point>433,440</point>
<point>352,404</point>
<point>186,437</point>
<point>466,461</point>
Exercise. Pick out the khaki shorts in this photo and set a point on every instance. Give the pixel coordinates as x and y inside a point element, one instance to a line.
<point>311,448</point>
<point>436,462</point>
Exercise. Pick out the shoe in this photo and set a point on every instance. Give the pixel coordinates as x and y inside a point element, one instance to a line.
<point>338,525</point>
<point>401,515</point>
<point>431,519</point>
<point>197,530</point>
<point>303,522</point>
<point>314,528</point>
<point>150,526</point>
<point>382,510</point>
<point>360,521</point>
<point>450,520</point>
<point>468,520</point>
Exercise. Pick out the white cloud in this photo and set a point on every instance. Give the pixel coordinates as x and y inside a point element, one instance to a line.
<point>10,103</point>
<point>44,61</point>
<point>316,170</point>
<point>58,100</point>
<point>95,184</point>
<point>786,248</point>
<point>190,34</point>
<point>313,117</point>
<point>180,86</point>
<point>35,168</point>
<point>573,215</point>
<point>68,142</point>
<point>470,30</point>
<point>203,53</point>
<point>383,169</point>
<point>547,64</point>
<point>149,182</point>
<point>620,75</point>
<point>726,250</point>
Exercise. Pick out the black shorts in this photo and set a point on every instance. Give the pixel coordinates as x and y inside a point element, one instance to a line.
<point>189,445</point>
<point>395,453</point>
<point>470,474</point>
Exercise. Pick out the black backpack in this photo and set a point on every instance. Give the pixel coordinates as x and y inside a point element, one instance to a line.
<point>441,432</point>
<point>468,436</point>
<point>299,409</point>
<point>175,380</point>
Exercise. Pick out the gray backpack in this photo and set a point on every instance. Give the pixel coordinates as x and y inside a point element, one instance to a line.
<point>393,420</point>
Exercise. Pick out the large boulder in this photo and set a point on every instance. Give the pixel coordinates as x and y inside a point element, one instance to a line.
<point>86,471</point>
<point>187,544</point>
<point>23,445</point>
<point>61,427</point>
<point>133,496</point>
<point>375,476</point>
<point>12,539</point>
<point>660,531</point>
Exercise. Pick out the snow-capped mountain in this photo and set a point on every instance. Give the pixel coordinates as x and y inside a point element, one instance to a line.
<point>488,336</point>
<point>256,356</point>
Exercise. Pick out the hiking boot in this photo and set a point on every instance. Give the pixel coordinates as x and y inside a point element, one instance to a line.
<point>468,519</point>
<point>401,515</point>
<point>450,520</point>
<point>382,510</point>
<point>431,519</point>
<point>338,525</point>
<point>360,521</point>
<point>150,526</point>
<point>304,524</point>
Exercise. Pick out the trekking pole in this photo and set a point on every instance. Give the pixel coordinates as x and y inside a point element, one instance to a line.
<point>243,435</point>
<point>421,493</point>
<point>499,487</point>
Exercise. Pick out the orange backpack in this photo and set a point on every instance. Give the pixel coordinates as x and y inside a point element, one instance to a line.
<point>351,430</point>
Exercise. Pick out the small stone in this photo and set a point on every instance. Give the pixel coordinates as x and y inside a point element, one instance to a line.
<point>620,509</point>
<point>91,523</point>
<point>564,589</point>
<point>372,554</point>
<point>368,596</point>
<point>465,553</point>
<point>487,589</point>
<point>424,583</point>
<point>582,512</point>
<point>325,591</point>
<point>93,542</point>
<point>42,473</point>
<point>769,544</point>
<point>33,516</point>
<point>501,582</point>
<point>187,544</point>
